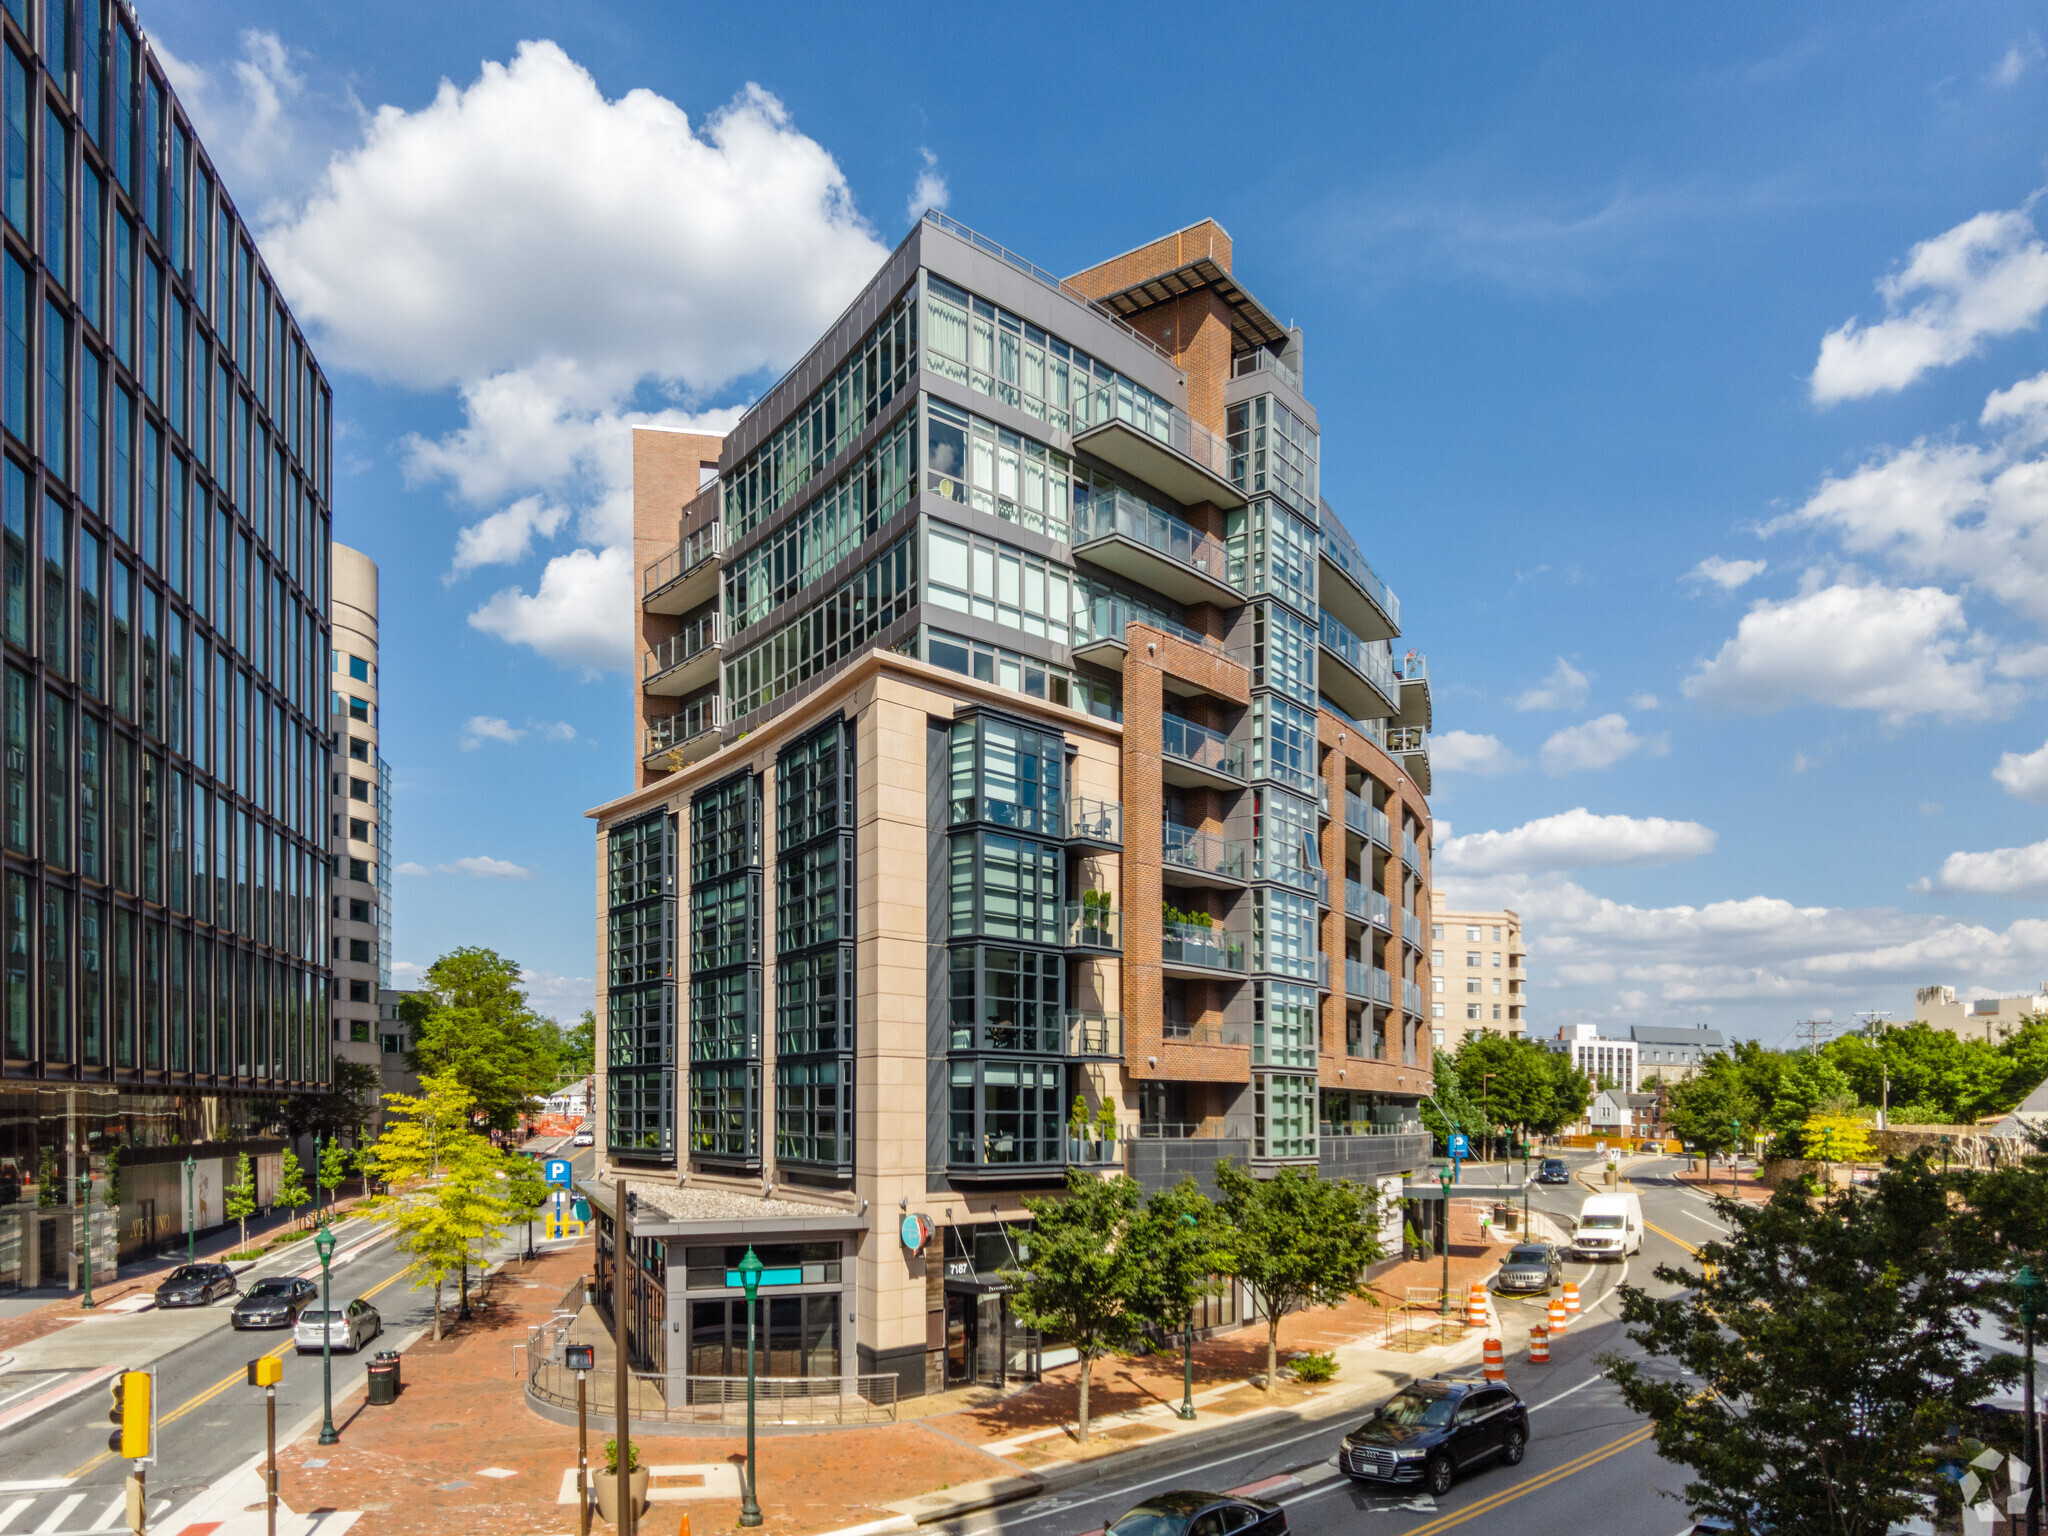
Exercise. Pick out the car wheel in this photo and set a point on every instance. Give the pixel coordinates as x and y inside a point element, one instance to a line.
<point>1438,1477</point>
<point>1514,1447</point>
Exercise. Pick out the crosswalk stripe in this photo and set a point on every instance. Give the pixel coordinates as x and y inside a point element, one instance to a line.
<point>7,1515</point>
<point>117,1512</point>
<point>60,1514</point>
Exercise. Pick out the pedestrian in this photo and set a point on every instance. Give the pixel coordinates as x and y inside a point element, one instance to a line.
<point>1485,1225</point>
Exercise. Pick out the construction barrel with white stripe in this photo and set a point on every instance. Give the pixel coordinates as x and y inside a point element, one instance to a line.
<point>1558,1320</point>
<point>1571,1298</point>
<point>1475,1305</point>
<point>1539,1345</point>
<point>1496,1363</point>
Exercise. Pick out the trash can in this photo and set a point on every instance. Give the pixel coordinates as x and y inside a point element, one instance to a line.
<point>384,1379</point>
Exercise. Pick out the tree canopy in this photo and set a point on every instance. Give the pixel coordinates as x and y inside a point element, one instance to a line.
<point>471,1023</point>
<point>1519,1082</point>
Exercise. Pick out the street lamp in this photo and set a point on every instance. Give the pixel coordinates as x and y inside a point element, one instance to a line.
<point>191,1172</point>
<point>1187,1351</point>
<point>750,1277</point>
<point>325,1244</point>
<point>1528,1159</point>
<point>2029,1286</point>
<point>1734,1156</point>
<point>85,1234</point>
<point>1444,1236</point>
<point>1944,1155</point>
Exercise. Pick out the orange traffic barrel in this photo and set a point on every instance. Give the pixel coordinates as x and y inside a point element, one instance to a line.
<point>1558,1321</point>
<point>1539,1345</point>
<point>1496,1365</point>
<point>1571,1298</point>
<point>1475,1306</point>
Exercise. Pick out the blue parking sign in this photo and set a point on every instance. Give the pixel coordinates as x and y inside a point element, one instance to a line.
<point>1461,1146</point>
<point>558,1171</point>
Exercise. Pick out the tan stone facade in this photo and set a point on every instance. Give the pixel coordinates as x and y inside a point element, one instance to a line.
<point>1481,975</point>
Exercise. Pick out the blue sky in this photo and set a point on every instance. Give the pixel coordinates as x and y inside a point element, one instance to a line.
<point>1681,368</point>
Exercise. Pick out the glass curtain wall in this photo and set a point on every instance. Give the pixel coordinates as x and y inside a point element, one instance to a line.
<point>814,956</point>
<point>640,997</point>
<point>725,972</point>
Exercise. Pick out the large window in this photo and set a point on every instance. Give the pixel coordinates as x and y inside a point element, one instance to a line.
<point>1284,652</point>
<point>1006,1000</point>
<point>815,796</point>
<point>640,1000</point>
<point>725,970</point>
<point>1272,450</point>
<point>995,582</point>
<point>1004,1113</point>
<point>1004,888</point>
<point>1284,839</point>
<point>1284,933</point>
<point>1283,742</point>
<point>995,470</point>
<point>1008,774</point>
<point>827,634</point>
<point>1283,1115</point>
<point>1284,1025</point>
<point>1025,675</point>
<point>1273,553</point>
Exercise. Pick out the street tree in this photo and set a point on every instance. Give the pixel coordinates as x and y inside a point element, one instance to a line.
<point>1521,1083</point>
<point>471,1022</point>
<point>239,1198</point>
<point>1297,1240</point>
<point>1082,1272</point>
<point>1448,1109</point>
<point>1705,1108</point>
<point>1824,1352</point>
<point>526,1189</point>
<point>1186,1246</point>
<point>335,1163</point>
<point>1807,1085</point>
<point>291,1183</point>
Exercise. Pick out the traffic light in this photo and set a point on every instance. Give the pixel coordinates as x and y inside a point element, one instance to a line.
<point>135,1413</point>
<point>266,1371</point>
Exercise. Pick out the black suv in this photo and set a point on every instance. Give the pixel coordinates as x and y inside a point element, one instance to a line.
<point>1553,1171</point>
<point>1432,1430</point>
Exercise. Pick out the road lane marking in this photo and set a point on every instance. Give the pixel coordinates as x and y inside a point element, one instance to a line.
<point>1705,1221</point>
<point>1673,1237</point>
<point>111,1520</point>
<point>7,1515</point>
<point>1535,1484</point>
<point>1567,1392</point>
<point>60,1514</point>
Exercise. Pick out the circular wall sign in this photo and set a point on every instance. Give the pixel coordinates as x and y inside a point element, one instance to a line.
<point>914,1233</point>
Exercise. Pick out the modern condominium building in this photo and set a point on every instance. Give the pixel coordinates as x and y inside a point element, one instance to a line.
<point>360,827</point>
<point>1478,974</point>
<point>1027,781</point>
<point>164,506</point>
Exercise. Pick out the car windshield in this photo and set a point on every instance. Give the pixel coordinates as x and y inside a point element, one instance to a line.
<point>1552,1165</point>
<point>1529,1256</point>
<point>1406,1410</point>
<point>269,1288</point>
<point>1601,1223</point>
<point>315,1315</point>
<point>1148,1522</point>
<point>185,1272</point>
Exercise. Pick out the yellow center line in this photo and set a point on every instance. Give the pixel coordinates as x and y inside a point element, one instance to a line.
<point>1672,1237</point>
<point>210,1393</point>
<point>1535,1484</point>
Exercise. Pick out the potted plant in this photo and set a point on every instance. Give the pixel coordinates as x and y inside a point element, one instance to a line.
<point>1077,1130</point>
<point>608,1481</point>
<point>1105,1120</point>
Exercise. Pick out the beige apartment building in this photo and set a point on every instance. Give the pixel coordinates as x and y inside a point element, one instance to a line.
<point>1981,1018</point>
<point>1478,974</point>
<point>1025,782</point>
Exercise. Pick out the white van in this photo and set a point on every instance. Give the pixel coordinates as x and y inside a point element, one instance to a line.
<point>1610,1226</point>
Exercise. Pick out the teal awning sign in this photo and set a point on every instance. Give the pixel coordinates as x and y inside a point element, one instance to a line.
<point>794,1275</point>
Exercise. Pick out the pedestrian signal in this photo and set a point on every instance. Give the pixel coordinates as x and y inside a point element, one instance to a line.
<point>134,1411</point>
<point>266,1371</point>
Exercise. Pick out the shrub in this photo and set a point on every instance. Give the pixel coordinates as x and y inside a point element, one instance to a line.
<point>611,1456</point>
<point>1317,1367</point>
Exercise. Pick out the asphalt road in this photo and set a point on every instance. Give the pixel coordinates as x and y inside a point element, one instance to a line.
<point>56,1474</point>
<point>1590,1464</point>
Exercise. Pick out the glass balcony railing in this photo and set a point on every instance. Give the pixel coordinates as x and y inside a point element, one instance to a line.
<point>1368,821</point>
<point>1185,848</point>
<point>1359,1048</point>
<point>1410,856</point>
<point>1116,399</point>
<point>1343,553</point>
<point>1368,981</point>
<point>686,724</point>
<point>1103,615</point>
<point>1095,1035</point>
<point>1184,1032</point>
<point>1220,1129</point>
<point>1096,821</point>
<point>704,633</point>
<point>1090,927</point>
<point>1190,944</point>
<point>1368,905</point>
<point>1196,744</point>
<point>1369,1128</point>
<point>1407,738</point>
<point>1180,541</point>
<point>1411,928</point>
<point>707,543</point>
<point>1245,364</point>
<point>1371,659</point>
<point>1411,998</point>
<point>1093,1152</point>
<point>1412,668</point>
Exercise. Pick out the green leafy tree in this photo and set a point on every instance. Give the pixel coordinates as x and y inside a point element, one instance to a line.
<point>1704,1108</point>
<point>1186,1246</point>
<point>471,1022</point>
<point>291,1183</point>
<point>48,1194</point>
<point>526,1189</point>
<point>339,1110</point>
<point>110,1175</point>
<point>1447,1109</point>
<point>1521,1083</point>
<point>1083,1275</point>
<point>336,1162</point>
<point>240,1196</point>
<point>1297,1240</point>
<point>574,1049</point>
<point>1823,1360</point>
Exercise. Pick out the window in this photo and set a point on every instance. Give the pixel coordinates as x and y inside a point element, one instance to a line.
<point>861,608</point>
<point>1436,1010</point>
<point>1472,984</point>
<point>1283,742</point>
<point>1021,674</point>
<point>359,992</point>
<point>1283,1115</point>
<point>358,789</point>
<point>1496,986</point>
<point>1472,937</point>
<point>641,986</point>
<point>1436,957</point>
<point>1496,959</point>
<point>1273,450</point>
<point>16,391</point>
<point>1284,1025</point>
<point>1283,652</point>
<point>1004,1113</point>
<point>1007,774</point>
<point>1006,1000</point>
<point>358,749</point>
<point>1436,932</point>
<point>358,829</point>
<point>1284,839</point>
<point>1472,1010</point>
<point>1472,957</point>
<point>1004,888</point>
<point>725,979</point>
<point>997,583</point>
<point>359,911</point>
<point>1284,933</point>
<point>1436,983</point>
<point>1273,553</point>
<point>995,470</point>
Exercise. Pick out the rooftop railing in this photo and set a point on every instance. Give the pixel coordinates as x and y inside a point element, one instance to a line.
<point>704,633</point>
<point>1345,555</point>
<point>1191,944</point>
<point>1154,527</point>
<point>1246,364</point>
<point>1185,848</point>
<point>1196,744</point>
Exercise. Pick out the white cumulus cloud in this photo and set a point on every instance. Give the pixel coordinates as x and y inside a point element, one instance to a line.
<point>2024,774</point>
<point>1565,688</point>
<point>1900,652</point>
<point>1985,278</point>
<point>575,616</point>
<point>1470,752</point>
<point>930,191</point>
<point>1599,743</point>
<point>1724,574</point>
<point>1576,839</point>
<point>476,867</point>
<point>478,729</point>
<point>1997,872</point>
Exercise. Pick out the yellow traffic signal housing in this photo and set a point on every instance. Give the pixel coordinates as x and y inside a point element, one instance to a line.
<point>133,1410</point>
<point>266,1371</point>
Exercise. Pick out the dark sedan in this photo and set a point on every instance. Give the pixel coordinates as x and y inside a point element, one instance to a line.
<point>195,1285</point>
<point>1432,1430</point>
<point>1553,1171</point>
<point>1530,1267</point>
<point>1189,1513</point>
<point>274,1303</point>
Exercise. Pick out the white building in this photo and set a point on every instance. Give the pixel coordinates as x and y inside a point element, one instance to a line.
<point>1614,1061</point>
<point>1981,1018</point>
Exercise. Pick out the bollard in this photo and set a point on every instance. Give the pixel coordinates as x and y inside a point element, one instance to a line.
<point>1475,1306</point>
<point>1558,1321</point>
<point>1539,1345</point>
<point>1496,1366</point>
<point>1571,1298</point>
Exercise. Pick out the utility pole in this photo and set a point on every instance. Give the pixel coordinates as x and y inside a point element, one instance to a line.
<point>622,1364</point>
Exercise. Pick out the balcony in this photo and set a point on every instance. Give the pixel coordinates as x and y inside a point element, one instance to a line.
<point>1157,443</point>
<point>1222,1128</point>
<point>1411,928</point>
<point>1370,1154</point>
<point>1368,821</point>
<point>1099,822</point>
<point>690,733</point>
<point>1411,999</point>
<point>1194,756</point>
<point>1189,857</point>
<point>1413,672</point>
<point>687,576</point>
<point>1368,906</point>
<point>1358,1048</point>
<point>1100,929</point>
<point>1357,675</point>
<point>685,662</point>
<point>1410,744</point>
<point>1245,364</point>
<point>1350,587</point>
<point>1095,1037</point>
<point>1181,1032</point>
<point>1091,1152</point>
<point>1369,1128</point>
<point>1155,549</point>
<point>1188,947</point>
<point>1368,982</point>
<point>1410,856</point>
<point>1099,629</point>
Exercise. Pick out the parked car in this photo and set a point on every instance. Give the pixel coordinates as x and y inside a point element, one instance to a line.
<point>1553,1171</point>
<point>1190,1513</point>
<point>274,1303</point>
<point>583,1139</point>
<point>195,1285</point>
<point>1432,1430</point>
<point>346,1328</point>
<point>1530,1267</point>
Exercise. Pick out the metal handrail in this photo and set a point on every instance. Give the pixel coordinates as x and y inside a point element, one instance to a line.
<point>1344,553</point>
<point>1369,1128</point>
<point>1095,1034</point>
<point>686,724</point>
<point>1181,1032</point>
<point>1407,738</point>
<point>1154,527</point>
<point>1192,743</point>
<point>1372,660</point>
<point>1368,821</point>
<point>707,543</point>
<point>1097,821</point>
<point>1246,364</point>
<point>1185,848</point>
<point>707,632</point>
<point>1221,1129</point>
<point>1190,944</point>
<point>1091,927</point>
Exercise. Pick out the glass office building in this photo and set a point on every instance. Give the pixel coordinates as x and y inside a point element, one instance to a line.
<point>165,493</point>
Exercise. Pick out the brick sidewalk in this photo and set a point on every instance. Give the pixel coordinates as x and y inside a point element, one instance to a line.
<point>1746,1186</point>
<point>421,1465</point>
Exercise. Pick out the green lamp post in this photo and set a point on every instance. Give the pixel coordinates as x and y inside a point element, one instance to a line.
<point>1944,1154</point>
<point>1734,1155</point>
<point>1187,1351</point>
<point>191,1210</point>
<point>750,1277</point>
<point>1444,1235</point>
<point>2029,1286</point>
<point>1528,1163</point>
<point>85,1233</point>
<point>325,1244</point>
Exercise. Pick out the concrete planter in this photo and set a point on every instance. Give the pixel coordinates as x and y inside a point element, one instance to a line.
<point>608,1494</point>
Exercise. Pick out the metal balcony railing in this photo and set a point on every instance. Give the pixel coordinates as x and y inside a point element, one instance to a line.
<point>1368,981</point>
<point>1412,668</point>
<point>686,724</point>
<point>1343,552</point>
<point>1358,1048</point>
<point>1117,399</point>
<point>1091,927</point>
<point>1223,1128</point>
<point>1105,614</point>
<point>1245,364</point>
<point>1196,744</point>
<point>1190,944</point>
<point>1409,854</point>
<point>1182,1032</point>
<point>704,633</point>
<point>1185,848</point>
<point>1411,998</point>
<point>1407,738</point>
<point>1371,659</point>
<point>707,543</point>
<point>1095,1035</point>
<point>1411,928</point>
<point>1091,1152</point>
<point>1095,821</point>
<point>1368,821</point>
<point>1369,1128</point>
<point>1154,527</point>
